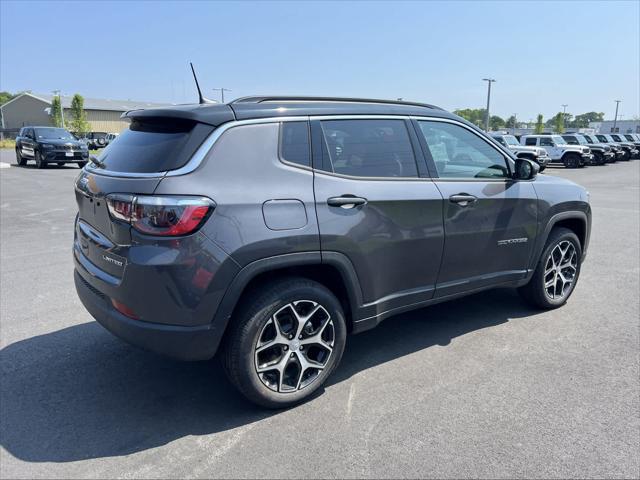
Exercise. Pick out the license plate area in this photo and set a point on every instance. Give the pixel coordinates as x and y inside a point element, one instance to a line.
<point>68,154</point>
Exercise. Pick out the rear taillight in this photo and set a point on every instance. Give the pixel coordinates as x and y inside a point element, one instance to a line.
<point>161,215</point>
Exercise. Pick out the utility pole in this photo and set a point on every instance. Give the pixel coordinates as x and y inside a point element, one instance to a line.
<point>615,119</point>
<point>564,115</point>
<point>489,82</point>
<point>57,92</point>
<point>515,122</point>
<point>222,90</point>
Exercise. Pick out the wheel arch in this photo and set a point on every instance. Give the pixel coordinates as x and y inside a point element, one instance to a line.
<point>575,220</point>
<point>334,271</point>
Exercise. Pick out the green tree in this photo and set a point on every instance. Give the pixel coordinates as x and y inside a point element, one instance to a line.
<point>6,96</point>
<point>511,122</point>
<point>496,122</point>
<point>582,121</point>
<point>79,122</point>
<point>539,124</point>
<point>558,123</point>
<point>56,112</point>
<point>473,115</point>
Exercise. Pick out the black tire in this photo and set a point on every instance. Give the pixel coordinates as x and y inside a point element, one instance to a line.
<point>38,159</point>
<point>542,168</point>
<point>627,156</point>
<point>571,160</point>
<point>248,326</point>
<point>20,160</point>
<point>81,164</point>
<point>598,158</point>
<point>535,291</point>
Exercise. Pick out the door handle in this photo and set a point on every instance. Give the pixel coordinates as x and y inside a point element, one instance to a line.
<point>462,199</point>
<point>346,201</point>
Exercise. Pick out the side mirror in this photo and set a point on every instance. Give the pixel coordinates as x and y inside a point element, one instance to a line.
<point>525,169</point>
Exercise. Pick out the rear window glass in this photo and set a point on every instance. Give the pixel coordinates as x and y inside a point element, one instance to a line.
<point>153,146</point>
<point>294,143</point>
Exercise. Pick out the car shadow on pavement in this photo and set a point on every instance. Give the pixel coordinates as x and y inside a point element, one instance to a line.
<point>79,393</point>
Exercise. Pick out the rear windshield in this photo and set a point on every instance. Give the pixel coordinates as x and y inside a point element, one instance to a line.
<point>154,145</point>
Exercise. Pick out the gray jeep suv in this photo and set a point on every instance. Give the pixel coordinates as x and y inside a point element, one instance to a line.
<point>270,228</point>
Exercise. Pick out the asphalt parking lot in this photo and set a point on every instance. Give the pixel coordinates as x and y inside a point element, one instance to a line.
<point>479,387</point>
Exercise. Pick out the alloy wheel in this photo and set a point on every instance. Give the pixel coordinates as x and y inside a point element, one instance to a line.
<point>560,270</point>
<point>294,346</point>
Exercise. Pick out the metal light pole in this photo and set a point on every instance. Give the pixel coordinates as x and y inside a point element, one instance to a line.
<point>515,122</point>
<point>615,119</point>
<point>489,82</point>
<point>222,90</point>
<point>564,115</point>
<point>57,92</point>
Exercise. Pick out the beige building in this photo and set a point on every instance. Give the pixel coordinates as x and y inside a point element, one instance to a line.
<point>102,115</point>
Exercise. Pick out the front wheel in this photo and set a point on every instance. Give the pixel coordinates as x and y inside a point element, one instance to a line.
<point>557,271</point>
<point>571,160</point>
<point>20,159</point>
<point>284,342</point>
<point>38,159</point>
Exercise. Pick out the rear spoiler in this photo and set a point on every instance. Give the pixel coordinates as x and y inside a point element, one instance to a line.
<point>211,114</point>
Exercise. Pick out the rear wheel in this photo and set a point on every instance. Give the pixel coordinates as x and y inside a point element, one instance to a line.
<point>20,160</point>
<point>38,159</point>
<point>557,271</point>
<point>284,342</point>
<point>571,160</point>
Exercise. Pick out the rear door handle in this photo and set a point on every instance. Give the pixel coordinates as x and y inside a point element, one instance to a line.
<point>462,199</point>
<point>346,201</point>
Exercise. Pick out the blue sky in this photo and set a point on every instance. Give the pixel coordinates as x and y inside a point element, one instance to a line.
<point>543,54</point>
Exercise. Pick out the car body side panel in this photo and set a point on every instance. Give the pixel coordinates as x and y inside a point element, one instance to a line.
<point>242,172</point>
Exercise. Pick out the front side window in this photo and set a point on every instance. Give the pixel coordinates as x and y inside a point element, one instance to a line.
<point>530,141</point>
<point>368,148</point>
<point>294,143</point>
<point>460,153</point>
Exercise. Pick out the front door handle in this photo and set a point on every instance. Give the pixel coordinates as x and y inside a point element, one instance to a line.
<point>462,199</point>
<point>346,201</point>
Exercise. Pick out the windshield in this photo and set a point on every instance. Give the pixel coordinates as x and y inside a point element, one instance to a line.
<point>630,137</point>
<point>602,138</point>
<point>558,140</point>
<point>53,134</point>
<point>589,139</point>
<point>511,140</point>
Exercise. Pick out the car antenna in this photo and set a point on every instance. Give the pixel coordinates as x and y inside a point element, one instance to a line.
<point>201,99</point>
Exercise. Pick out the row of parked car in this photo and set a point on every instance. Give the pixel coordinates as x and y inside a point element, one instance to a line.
<point>573,149</point>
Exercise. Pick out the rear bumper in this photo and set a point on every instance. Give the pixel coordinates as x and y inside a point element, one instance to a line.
<point>182,343</point>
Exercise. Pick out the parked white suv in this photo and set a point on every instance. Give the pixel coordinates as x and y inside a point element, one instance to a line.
<point>571,156</point>
<point>537,154</point>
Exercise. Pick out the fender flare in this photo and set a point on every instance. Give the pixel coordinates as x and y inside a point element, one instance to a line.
<point>542,239</point>
<point>252,270</point>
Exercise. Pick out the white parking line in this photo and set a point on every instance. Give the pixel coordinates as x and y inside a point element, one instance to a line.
<point>4,165</point>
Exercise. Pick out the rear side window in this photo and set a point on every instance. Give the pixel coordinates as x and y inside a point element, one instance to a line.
<point>546,142</point>
<point>368,148</point>
<point>530,141</point>
<point>154,145</point>
<point>294,143</point>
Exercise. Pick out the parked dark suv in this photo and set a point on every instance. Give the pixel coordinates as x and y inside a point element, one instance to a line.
<point>47,145</point>
<point>272,227</point>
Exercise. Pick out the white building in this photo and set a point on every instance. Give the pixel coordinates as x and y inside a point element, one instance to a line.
<point>622,126</point>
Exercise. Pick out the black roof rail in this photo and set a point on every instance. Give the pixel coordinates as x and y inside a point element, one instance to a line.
<point>276,98</point>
